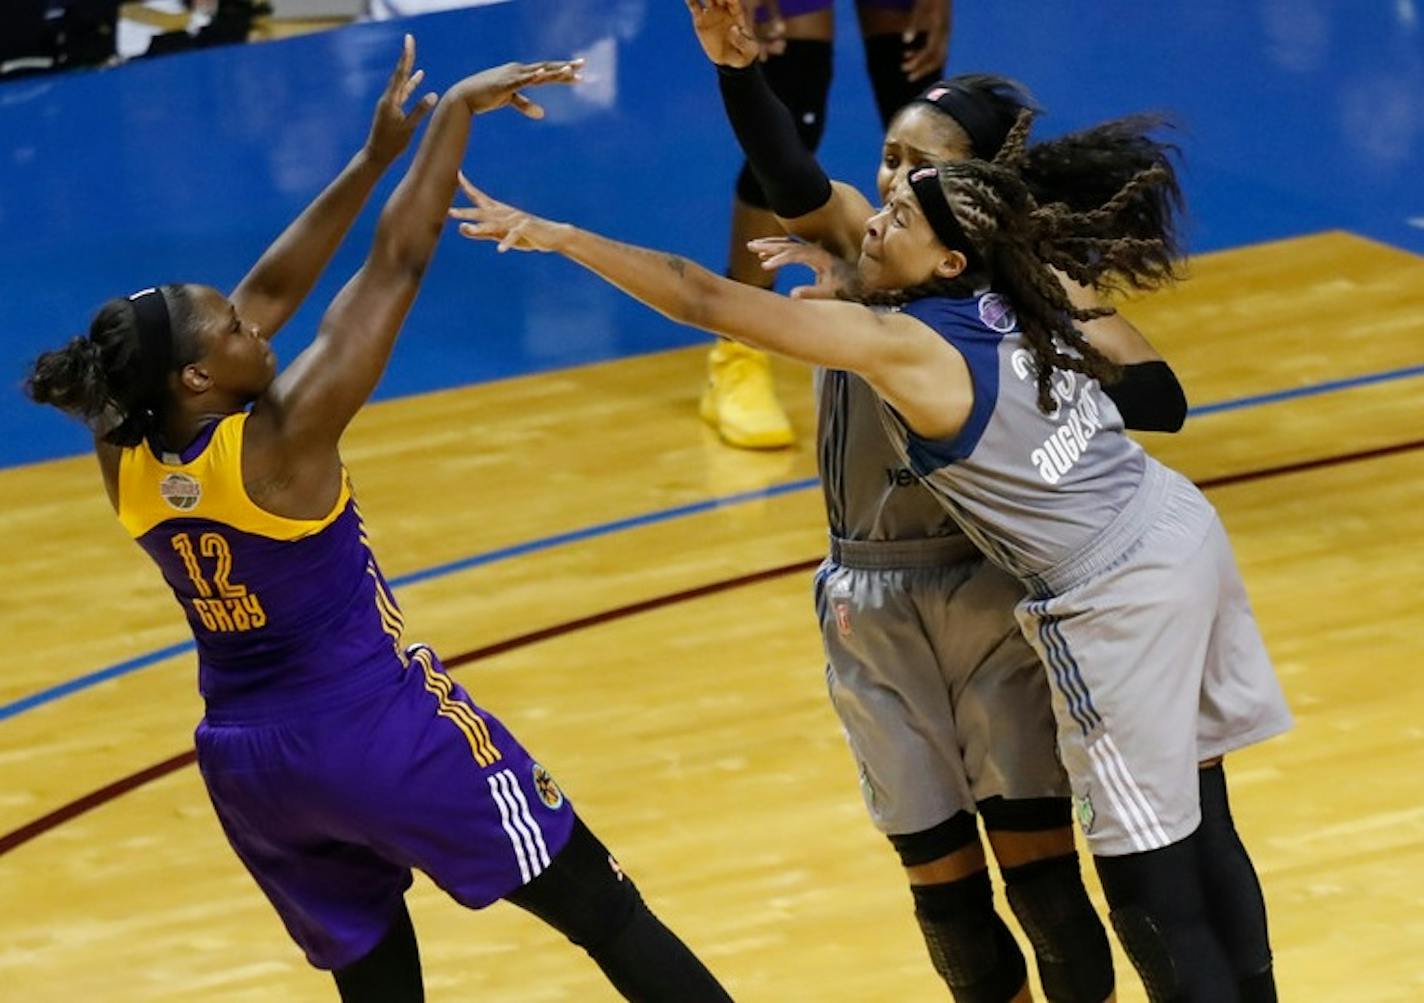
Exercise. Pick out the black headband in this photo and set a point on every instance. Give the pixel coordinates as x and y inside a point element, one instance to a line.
<point>155,340</point>
<point>985,129</point>
<point>924,182</point>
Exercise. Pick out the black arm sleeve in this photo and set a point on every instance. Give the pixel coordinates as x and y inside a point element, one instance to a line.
<point>1149,397</point>
<point>789,175</point>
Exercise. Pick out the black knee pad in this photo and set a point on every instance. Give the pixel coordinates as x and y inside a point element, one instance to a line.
<point>969,945</point>
<point>801,78</point>
<point>884,55</point>
<point>1158,908</point>
<point>1069,941</point>
<point>1146,948</point>
<point>954,833</point>
<point>1026,814</point>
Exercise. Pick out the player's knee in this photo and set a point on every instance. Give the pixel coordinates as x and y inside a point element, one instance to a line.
<point>1069,942</point>
<point>1146,947</point>
<point>954,834</point>
<point>969,945</point>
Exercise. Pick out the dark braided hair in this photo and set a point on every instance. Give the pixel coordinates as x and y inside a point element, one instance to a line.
<point>1021,242</point>
<point>98,378</point>
<point>1084,169</point>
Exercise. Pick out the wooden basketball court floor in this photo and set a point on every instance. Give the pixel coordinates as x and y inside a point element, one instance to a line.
<point>666,668</point>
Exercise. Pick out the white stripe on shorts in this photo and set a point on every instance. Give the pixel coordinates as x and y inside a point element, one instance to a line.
<point>1143,826</point>
<point>1141,821</point>
<point>524,822</point>
<point>497,793</point>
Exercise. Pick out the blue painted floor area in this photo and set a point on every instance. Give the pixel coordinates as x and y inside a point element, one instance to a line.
<point>1297,116</point>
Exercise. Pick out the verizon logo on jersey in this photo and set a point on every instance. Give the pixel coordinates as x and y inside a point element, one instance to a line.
<point>1078,416</point>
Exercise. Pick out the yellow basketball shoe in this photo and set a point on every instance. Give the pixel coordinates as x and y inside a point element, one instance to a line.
<point>740,401</point>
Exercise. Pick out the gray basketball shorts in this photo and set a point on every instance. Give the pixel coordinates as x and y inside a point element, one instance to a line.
<point>1156,664</point>
<point>942,702</point>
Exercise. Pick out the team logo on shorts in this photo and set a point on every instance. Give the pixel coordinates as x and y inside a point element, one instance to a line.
<point>842,609</point>
<point>1086,815</point>
<point>548,791</point>
<point>180,491</point>
<point>996,313</point>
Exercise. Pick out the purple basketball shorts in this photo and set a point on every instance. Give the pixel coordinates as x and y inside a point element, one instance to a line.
<point>331,811</point>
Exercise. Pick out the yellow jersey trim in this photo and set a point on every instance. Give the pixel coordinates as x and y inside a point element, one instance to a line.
<point>210,487</point>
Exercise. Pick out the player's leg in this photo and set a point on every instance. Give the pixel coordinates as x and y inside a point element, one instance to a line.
<point>1006,731</point>
<point>1241,703</point>
<point>1032,840</point>
<point>970,946</point>
<point>585,895</point>
<point>740,400</point>
<point>1233,892</point>
<point>1126,650</point>
<point>389,972</point>
<point>882,28</point>
<point>486,822</point>
<point>886,684</point>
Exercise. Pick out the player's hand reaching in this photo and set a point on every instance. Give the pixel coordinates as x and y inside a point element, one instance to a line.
<point>930,19</point>
<point>836,278</point>
<point>501,85</point>
<point>393,126</point>
<point>488,219</point>
<point>724,31</point>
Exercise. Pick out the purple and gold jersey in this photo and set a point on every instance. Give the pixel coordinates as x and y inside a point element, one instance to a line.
<point>286,612</point>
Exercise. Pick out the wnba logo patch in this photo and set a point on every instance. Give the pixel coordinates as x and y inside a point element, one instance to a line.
<point>548,791</point>
<point>996,313</point>
<point>180,491</point>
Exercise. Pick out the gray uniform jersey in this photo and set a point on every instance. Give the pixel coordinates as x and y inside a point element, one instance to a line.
<point>943,702</point>
<point>870,493</point>
<point>1032,490</point>
<point>1139,612</point>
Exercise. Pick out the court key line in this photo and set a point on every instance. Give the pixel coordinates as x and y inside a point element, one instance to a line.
<point>38,827</point>
<point>123,668</point>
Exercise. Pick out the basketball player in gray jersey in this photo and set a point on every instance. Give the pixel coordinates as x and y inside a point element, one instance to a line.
<point>945,705</point>
<point>995,401</point>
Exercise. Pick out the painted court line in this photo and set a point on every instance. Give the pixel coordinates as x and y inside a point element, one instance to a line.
<point>45,823</point>
<point>79,683</point>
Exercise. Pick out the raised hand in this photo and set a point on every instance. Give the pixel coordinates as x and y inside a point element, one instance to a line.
<point>724,32</point>
<point>500,86</point>
<point>393,126</point>
<point>836,278</point>
<point>488,219</point>
<point>929,18</point>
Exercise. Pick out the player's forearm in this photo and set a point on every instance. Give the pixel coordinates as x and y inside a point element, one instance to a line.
<point>677,288</point>
<point>287,271</point>
<point>413,216</point>
<point>687,293</point>
<point>793,181</point>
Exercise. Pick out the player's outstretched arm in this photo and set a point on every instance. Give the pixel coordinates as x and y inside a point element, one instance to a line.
<point>906,361</point>
<point>278,284</point>
<point>319,393</point>
<point>808,203</point>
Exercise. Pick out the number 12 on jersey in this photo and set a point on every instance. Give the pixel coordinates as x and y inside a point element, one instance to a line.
<point>221,605</point>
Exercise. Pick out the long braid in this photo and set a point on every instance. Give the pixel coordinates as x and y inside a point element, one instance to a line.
<point>1022,242</point>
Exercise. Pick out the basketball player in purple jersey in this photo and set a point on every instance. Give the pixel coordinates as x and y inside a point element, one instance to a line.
<point>905,46</point>
<point>1134,603</point>
<point>337,758</point>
